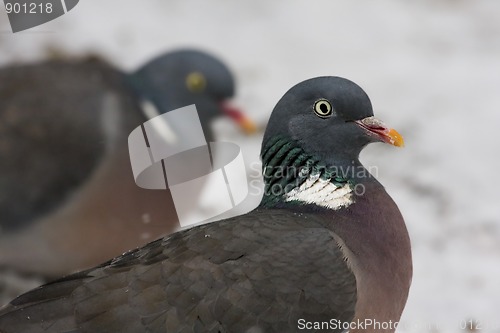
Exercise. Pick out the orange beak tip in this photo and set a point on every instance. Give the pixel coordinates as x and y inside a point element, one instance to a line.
<point>396,139</point>
<point>248,126</point>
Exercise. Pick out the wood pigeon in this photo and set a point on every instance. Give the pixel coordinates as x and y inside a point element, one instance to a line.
<point>68,200</point>
<point>327,250</point>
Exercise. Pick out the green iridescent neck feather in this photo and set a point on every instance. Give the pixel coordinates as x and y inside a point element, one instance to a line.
<point>289,171</point>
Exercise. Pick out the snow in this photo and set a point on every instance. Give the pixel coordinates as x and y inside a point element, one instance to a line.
<point>432,71</point>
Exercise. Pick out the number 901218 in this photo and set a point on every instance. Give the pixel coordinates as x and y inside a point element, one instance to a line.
<point>28,8</point>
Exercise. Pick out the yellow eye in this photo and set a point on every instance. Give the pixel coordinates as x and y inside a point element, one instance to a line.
<point>323,108</point>
<point>196,82</point>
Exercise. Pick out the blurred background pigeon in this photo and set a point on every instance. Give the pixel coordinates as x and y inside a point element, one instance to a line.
<point>67,194</point>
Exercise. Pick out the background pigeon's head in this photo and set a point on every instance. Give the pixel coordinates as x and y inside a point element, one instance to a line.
<point>330,117</point>
<point>185,77</point>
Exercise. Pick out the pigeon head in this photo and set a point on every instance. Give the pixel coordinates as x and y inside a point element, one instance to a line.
<point>316,132</point>
<point>331,117</point>
<point>186,77</point>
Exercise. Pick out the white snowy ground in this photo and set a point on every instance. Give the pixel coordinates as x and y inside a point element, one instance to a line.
<point>431,68</point>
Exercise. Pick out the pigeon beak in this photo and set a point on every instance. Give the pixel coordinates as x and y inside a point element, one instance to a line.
<point>247,125</point>
<point>377,128</point>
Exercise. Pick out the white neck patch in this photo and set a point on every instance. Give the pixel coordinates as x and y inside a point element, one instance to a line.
<point>160,125</point>
<point>322,192</point>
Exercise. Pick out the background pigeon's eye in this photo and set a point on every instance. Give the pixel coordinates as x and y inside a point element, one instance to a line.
<point>196,82</point>
<point>323,108</point>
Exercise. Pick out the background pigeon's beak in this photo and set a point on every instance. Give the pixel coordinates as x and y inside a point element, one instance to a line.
<point>239,117</point>
<point>380,130</point>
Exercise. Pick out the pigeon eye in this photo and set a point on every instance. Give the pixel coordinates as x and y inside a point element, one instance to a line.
<point>196,82</point>
<point>323,108</point>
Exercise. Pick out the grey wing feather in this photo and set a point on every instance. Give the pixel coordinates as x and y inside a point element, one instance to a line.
<point>253,274</point>
<point>45,111</point>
